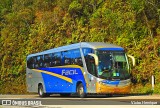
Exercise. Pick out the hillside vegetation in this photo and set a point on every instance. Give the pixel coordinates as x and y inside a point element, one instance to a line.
<point>30,26</point>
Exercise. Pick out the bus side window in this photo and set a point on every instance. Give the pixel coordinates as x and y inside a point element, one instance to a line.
<point>77,57</point>
<point>80,61</point>
<point>67,57</point>
<point>48,60</point>
<point>57,59</point>
<point>40,61</point>
<point>35,64</point>
<point>30,63</point>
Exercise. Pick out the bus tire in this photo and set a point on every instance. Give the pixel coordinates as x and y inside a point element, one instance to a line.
<point>41,92</point>
<point>80,91</point>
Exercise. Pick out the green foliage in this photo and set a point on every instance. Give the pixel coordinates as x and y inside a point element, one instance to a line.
<point>30,26</point>
<point>75,8</point>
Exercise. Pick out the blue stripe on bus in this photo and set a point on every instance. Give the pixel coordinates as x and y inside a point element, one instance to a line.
<point>58,85</point>
<point>112,49</point>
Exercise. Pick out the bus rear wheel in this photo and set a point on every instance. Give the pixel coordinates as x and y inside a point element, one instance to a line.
<point>80,91</point>
<point>41,92</point>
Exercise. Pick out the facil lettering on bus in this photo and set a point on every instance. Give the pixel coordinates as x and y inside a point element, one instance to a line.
<point>69,72</point>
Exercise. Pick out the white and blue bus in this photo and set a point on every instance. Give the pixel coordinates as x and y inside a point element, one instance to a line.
<point>82,68</point>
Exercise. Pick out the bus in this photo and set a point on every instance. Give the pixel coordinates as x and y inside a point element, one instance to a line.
<point>82,68</point>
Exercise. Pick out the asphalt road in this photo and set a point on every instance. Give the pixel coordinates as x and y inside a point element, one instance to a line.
<point>56,101</point>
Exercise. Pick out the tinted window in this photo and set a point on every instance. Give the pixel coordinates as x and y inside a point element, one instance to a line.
<point>67,57</point>
<point>57,59</point>
<point>48,60</point>
<point>30,63</point>
<point>39,61</point>
<point>35,62</point>
<point>72,57</point>
<point>77,59</point>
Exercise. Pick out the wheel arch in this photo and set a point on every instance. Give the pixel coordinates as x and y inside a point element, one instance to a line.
<point>84,85</point>
<point>41,84</point>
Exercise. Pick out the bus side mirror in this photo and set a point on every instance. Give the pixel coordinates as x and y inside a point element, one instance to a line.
<point>133,59</point>
<point>95,58</point>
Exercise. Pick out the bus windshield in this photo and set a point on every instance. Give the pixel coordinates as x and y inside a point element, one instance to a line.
<point>112,65</point>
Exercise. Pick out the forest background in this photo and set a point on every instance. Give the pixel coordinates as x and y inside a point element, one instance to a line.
<point>30,26</point>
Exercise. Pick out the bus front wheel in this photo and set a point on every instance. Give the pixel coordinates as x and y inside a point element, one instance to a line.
<point>41,91</point>
<point>80,91</point>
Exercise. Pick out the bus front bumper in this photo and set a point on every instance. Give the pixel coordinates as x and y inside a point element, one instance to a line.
<point>106,89</point>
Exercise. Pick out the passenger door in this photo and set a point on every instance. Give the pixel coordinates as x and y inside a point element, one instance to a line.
<point>92,73</point>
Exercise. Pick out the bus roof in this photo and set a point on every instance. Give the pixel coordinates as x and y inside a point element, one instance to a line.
<point>93,45</point>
